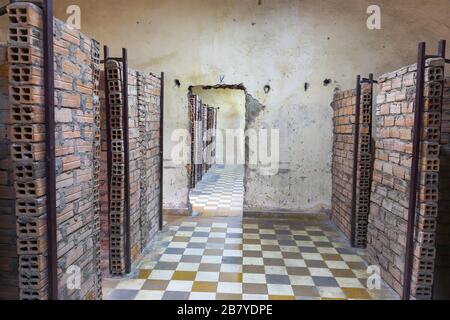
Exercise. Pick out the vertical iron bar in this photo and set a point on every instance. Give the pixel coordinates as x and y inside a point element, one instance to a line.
<point>126,146</point>
<point>161,148</point>
<point>108,131</point>
<point>49,87</point>
<point>442,48</point>
<point>418,113</point>
<point>355,159</point>
<point>371,120</point>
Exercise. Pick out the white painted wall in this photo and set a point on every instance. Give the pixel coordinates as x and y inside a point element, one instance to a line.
<point>284,43</point>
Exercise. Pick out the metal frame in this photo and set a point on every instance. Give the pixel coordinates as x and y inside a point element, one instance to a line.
<point>161,148</point>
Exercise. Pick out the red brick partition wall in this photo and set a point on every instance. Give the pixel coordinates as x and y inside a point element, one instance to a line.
<point>104,183</point>
<point>149,95</point>
<point>344,106</point>
<point>143,135</point>
<point>442,269</point>
<point>9,263</point>
<point>77,141</point>
<point>391,178</point>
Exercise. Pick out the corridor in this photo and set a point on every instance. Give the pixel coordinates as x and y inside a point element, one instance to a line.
<point>201,258</point>
<point>221,150</point>
<point>220,193</point>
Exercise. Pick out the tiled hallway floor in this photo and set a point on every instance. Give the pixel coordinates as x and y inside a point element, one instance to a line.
<point>234,258</point>
<point>220,193</point>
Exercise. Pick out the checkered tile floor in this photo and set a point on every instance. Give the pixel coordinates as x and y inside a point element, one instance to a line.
<point>234,258</point>
<point>220,193</point>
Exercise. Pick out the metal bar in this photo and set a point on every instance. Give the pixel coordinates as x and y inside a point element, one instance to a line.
<point>161,148</point>
<point>126,147</point>
<point>372,82</point>
<point>442,48</point>
<point>355,159</point>
<point>418,113</point>
<point>108,132</point>
<point>49,87</point>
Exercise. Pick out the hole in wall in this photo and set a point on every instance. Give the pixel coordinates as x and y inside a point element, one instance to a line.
<point>326,82</point>
<point>177,83</point>
<point>267,89</point>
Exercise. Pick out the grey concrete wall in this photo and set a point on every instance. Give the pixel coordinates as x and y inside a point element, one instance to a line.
<point>283,43</point>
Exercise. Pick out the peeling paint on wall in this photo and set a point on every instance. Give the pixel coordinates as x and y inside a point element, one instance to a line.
<point>253,109</point>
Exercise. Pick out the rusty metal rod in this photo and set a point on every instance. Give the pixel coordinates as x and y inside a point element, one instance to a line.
<point>49,92</point>
<point>418,113</point>
<point>442,49</point>
<point>126,146</point>
<point>161,154</point>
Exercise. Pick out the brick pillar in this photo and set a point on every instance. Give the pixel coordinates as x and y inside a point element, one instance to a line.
<point>27,134</point>
<point>117,187</point>
<point>95,60</point>
<point>391,178</point>
<point>9,263</point>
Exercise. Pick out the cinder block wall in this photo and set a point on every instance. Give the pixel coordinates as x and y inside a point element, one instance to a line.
<point>77,155</point>
<point>391,178</point>
<point>9,263</point>
<point>442,271</point>
<point>144,154</point>
<point>344,106</point>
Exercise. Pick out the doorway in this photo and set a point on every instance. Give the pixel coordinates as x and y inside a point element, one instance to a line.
<point>220,190</point>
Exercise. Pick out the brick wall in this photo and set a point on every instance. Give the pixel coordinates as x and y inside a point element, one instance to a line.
<point>442,269</point>
<point>344,106</point>
<point>9,263</point>
<point>104,183</point>
<point>149,93</point>
<point>77,154</point>
<point>391,178</point>
<point>143,135</point>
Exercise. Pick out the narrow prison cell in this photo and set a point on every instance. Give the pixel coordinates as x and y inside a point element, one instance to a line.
<point>270,194</point>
